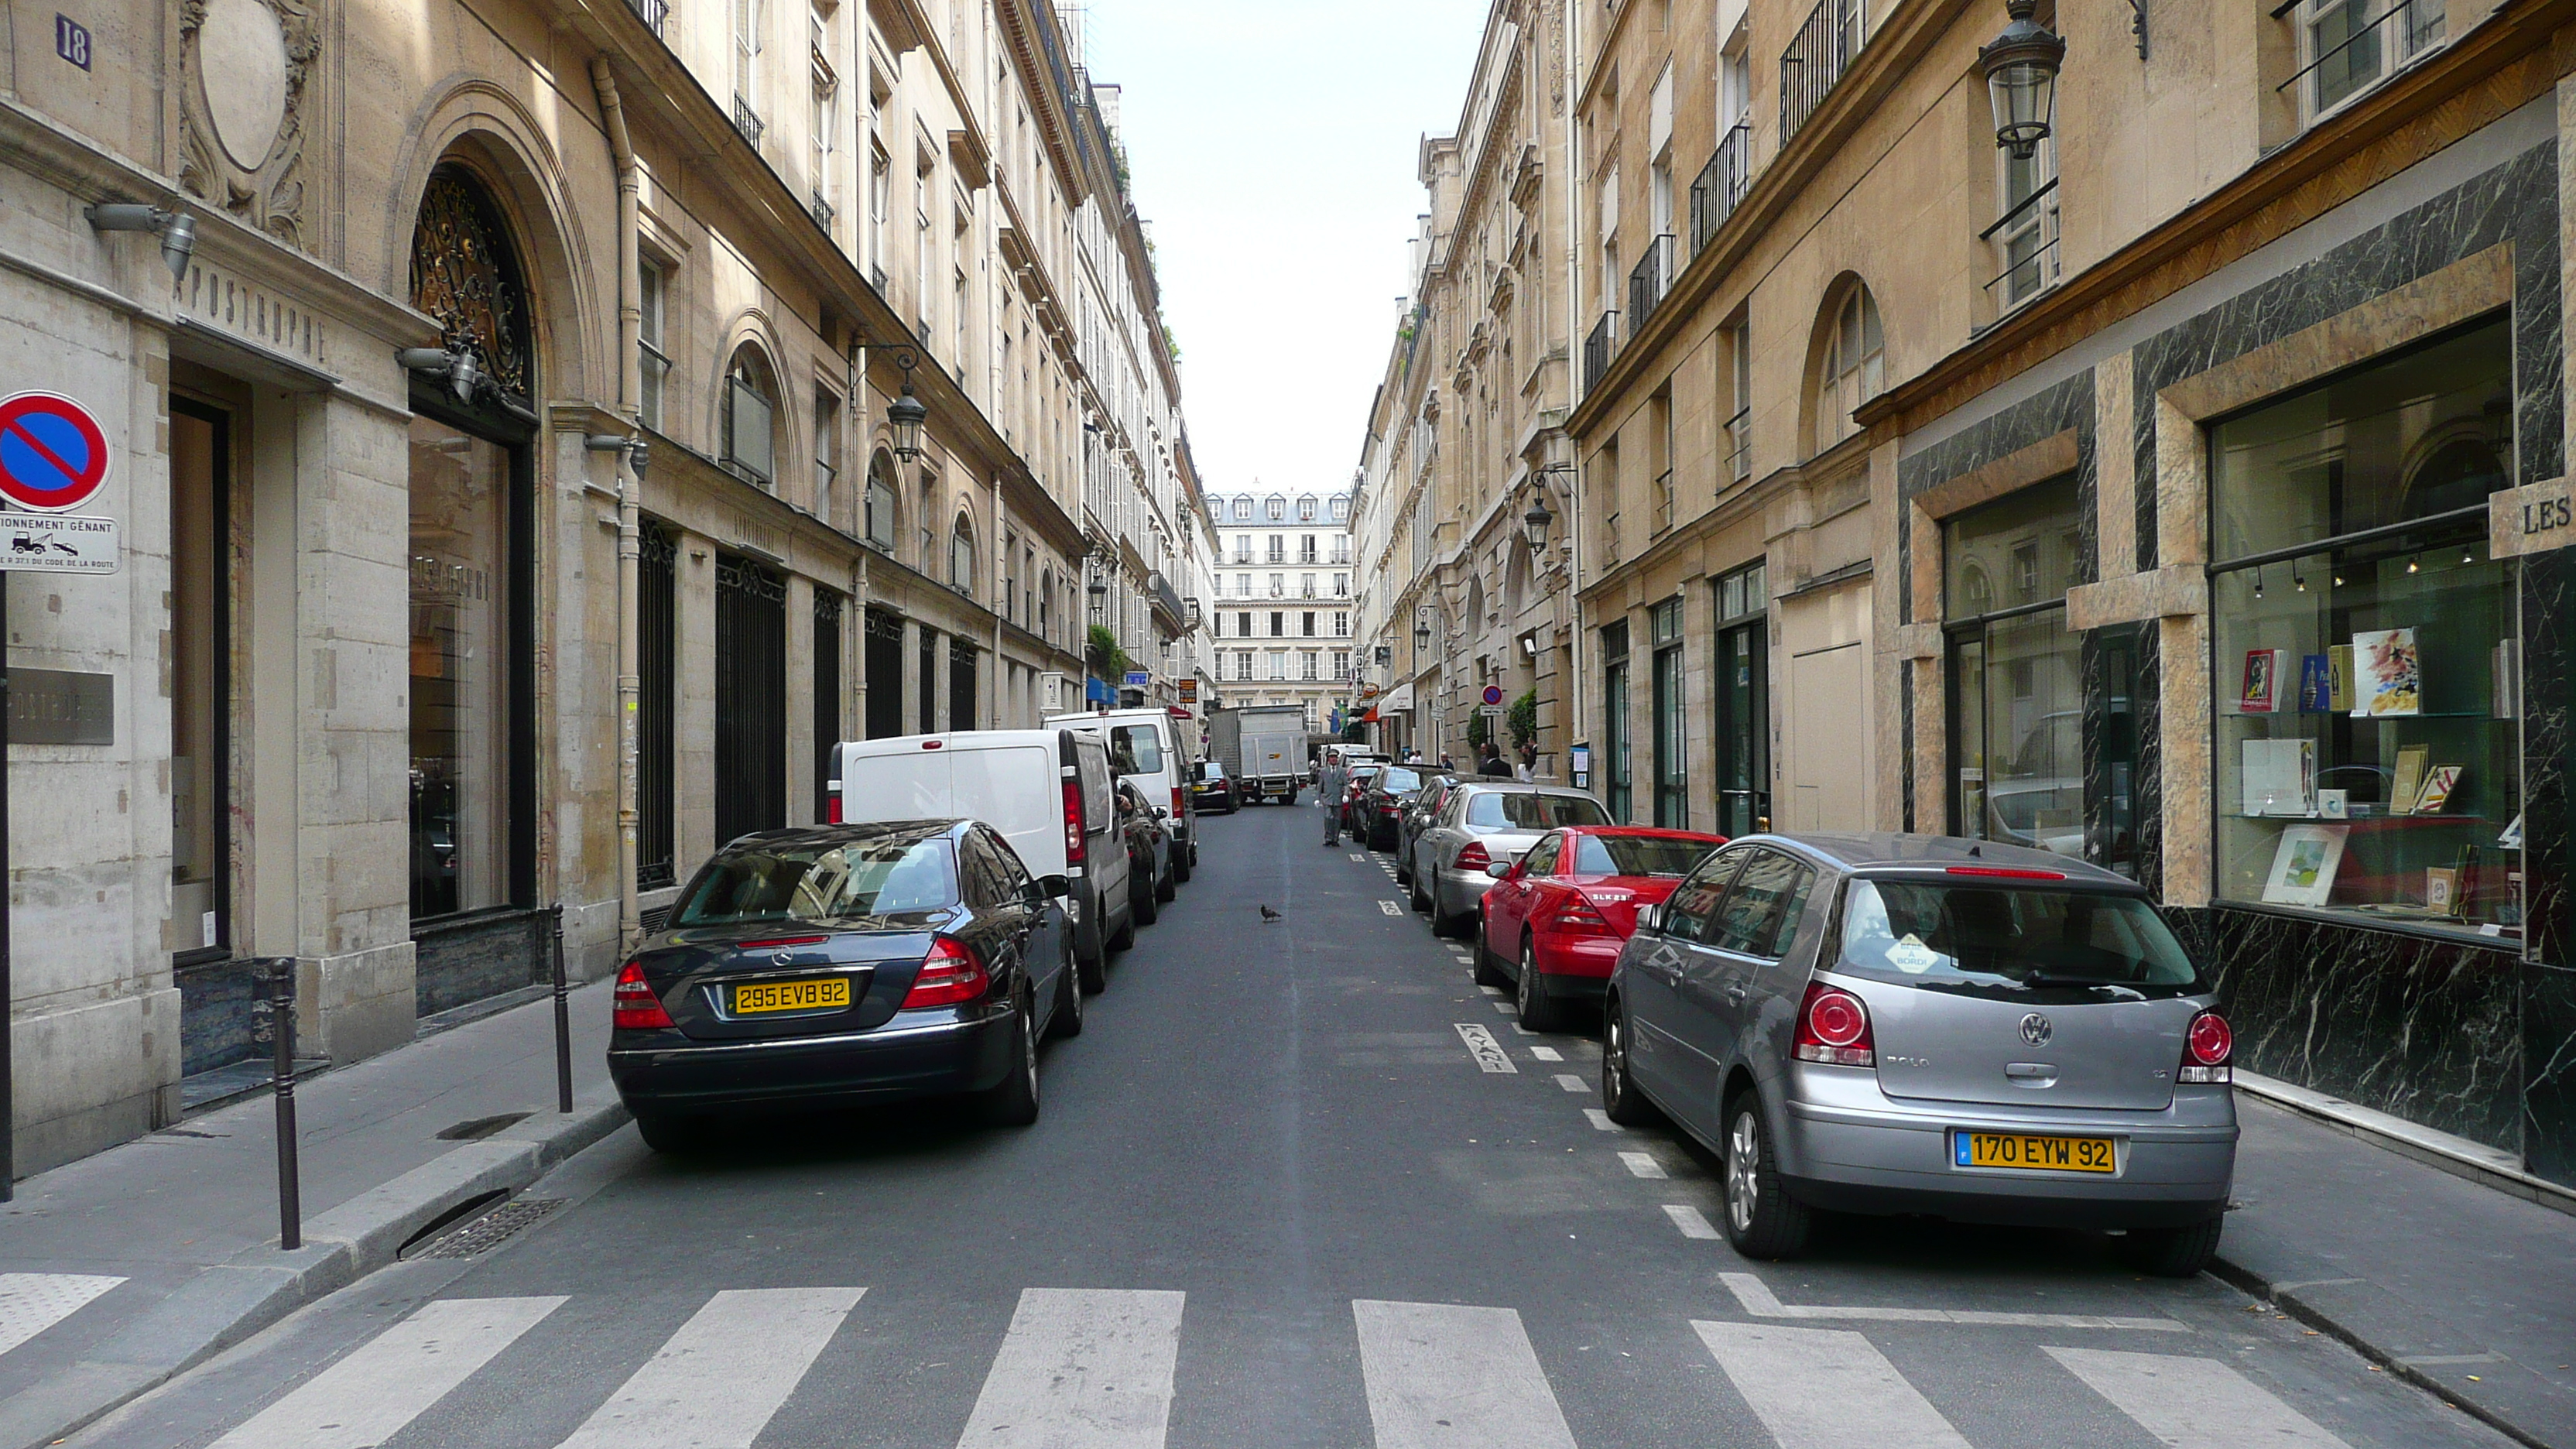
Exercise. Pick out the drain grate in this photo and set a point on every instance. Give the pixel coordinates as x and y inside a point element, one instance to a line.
<point>492,1229</point>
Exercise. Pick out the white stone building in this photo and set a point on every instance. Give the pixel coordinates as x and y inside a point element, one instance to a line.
<point>1280,621</point>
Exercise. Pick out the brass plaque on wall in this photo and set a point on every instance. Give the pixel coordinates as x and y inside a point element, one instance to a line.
<point>61,707</point>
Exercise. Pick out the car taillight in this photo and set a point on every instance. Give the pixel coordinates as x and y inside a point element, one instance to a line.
<point>633,1004</point>
<point>950,974</point>
<point>1472,857</point>
<point>1833,1027</point>
<point>2208,1048</point>
<point>832,806</point>
<point>1073,832</point>
<point>1579,917</point>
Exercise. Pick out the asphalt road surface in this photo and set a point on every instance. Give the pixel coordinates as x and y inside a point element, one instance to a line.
<point>1299,1184</point>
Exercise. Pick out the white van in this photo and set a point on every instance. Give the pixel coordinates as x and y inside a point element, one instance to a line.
<point>1048,791</point>
<point>1149,747</point>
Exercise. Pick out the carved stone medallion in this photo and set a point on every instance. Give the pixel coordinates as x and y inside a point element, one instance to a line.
<point>244,67</point>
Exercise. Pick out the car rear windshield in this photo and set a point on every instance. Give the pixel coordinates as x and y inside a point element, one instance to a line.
<point>1509,810</point>
<point>820,882</point>
<point>1393,780</point>
<point>1136,749</point>
<point>1938,935</point>
<point>1637,855</point>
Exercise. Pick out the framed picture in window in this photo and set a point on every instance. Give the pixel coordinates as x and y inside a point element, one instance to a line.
<point>2261,693</point>
<point>2388,680</point>
<point>2439,782</point>
<point>2304,865</point>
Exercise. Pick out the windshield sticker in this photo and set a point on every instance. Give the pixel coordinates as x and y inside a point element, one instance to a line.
<point>1911,956</point>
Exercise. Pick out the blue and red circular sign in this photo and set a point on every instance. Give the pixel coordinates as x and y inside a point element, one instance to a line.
<point>1493,694</point>
<point>52,455</point>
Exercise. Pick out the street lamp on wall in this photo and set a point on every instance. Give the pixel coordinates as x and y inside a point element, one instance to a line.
<point>2021,68</point>
<point>906,414</point>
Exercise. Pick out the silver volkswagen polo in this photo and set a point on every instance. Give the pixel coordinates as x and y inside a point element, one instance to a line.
<point>1919,1024</point>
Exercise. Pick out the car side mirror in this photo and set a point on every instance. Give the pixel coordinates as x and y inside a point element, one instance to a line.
<point>1162,812</point>
<point>1650,920</point>
<point>1052,887</point>
<point>1500,869</point>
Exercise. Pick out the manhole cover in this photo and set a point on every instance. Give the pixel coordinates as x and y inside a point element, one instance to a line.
<point>492,1229</point>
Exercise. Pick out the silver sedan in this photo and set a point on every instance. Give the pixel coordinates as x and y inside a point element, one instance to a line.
<point>1480,825</point>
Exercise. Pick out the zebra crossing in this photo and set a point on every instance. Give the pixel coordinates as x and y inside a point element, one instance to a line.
<point>1099,1369</point>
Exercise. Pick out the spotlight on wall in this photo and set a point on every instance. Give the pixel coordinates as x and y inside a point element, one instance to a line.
<point>178,232</point>
<point>456,365</point>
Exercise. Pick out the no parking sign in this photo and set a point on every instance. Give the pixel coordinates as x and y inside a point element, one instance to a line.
<point>53,457</point>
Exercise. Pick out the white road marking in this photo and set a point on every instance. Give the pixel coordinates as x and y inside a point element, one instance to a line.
<point>2193,1403</point>
<point>1391,908</point>
<point>716,1382</point>
<point>1359,855</point>
<point>1081,1369</point>
<point>1758,1301</point>
<point>1489,1053</point>
<point>1643,1164</point>
<point>1692,1222</point>
<point>1506,1008</point>
<point>1600,1120</point>
<point>1572,1083</point>
<point>1824,1388</point>
<point>1443,1376</point>
<point>30,1303</point>
<point>1547,1054</point>
<point>367,1397</point>
<point>1493,991</point>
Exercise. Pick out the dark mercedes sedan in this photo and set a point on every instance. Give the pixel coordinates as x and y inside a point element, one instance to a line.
<point>840,965</point>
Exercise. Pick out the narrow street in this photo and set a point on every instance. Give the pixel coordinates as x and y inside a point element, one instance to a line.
<point>1273,1200</point>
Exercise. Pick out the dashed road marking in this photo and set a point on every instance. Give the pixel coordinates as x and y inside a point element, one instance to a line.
<point>1692,1222</point>
<point>1505,1007</point>
<point>2192,1402</point>
<point>1757,1299</point>
<point>1547,1054</point>
<point>1572,1083</point>
<point>1359,855</point>
<point>1391,908</point>
<point>1643,1164</point>
<point>1489,1053</point>
<point>1492,991</point>
<point>1600,1120</point>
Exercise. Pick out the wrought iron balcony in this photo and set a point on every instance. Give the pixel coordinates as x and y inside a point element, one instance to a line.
<point>821,209</point>
<point>1814,63</point>
<point>1720,187</point>
<point>1648,281</point>
<point>1598,346</point>
<point>747,121</point>
<point>651,12</point>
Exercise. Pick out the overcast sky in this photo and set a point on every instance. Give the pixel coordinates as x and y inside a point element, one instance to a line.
<point>1272,150</point>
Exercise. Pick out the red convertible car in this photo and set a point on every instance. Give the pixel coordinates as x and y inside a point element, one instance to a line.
<point>1554,920</point>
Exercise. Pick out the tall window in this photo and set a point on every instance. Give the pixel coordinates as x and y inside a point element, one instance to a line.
<point>1305,586</point>
<point>1243,510</point>
<point>827,450</point>
<point>824,119</point>
<point>1854,369</point>
<point>880,196</point>
<point>961,557</point>
<point>1739,400</point>
<point>880,523</point>
<point>1618,776</point>
<point>1278,548</point>
<point>656,363</point>
<point>1341,665</point>
<point>1306,544</point>
<point>751,412</point>
<point>1306,508</point>
<point>1672,739</point>
<point>746,65</point>
<point>922,252</point>
<point>2016,672</point>
<point>1743,702</point>
<point>1278,508</point>
<point>1341,586</point>
<point>2348,46</point>
<point>1278,664</point>
<point>2024,235</point>
<point>1341,510</point>
<point>1342,625</point>
<point>1011,577</point>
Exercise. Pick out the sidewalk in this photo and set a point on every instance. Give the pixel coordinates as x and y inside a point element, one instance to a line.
<point>176,1233</point>
<point>2467,1290</point>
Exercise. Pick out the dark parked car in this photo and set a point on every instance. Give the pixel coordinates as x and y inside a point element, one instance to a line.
<point>1418,813</point>
<point>1360,774</point>
<point>1382,804</point>
<point>838,965</point>
<point>1923,1025</point>
<point>1213,789</point>
<point>1150,877</point>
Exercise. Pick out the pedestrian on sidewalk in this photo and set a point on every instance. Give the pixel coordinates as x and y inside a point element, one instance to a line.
<point>1330,781</point>
<point>1492,766</point>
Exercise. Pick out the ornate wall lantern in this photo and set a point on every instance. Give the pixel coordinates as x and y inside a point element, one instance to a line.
<point>2021,68</point>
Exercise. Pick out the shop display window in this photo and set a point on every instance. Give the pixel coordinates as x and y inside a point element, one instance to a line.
<point>2016,671</point>
<point>2365,660</point>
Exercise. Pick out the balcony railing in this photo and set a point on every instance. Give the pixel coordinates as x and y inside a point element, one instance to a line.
<point>1598,345</point>
<point>747,121</point>
<point>821,210</point>
<point>1648,280</point>
<point>651,12</point>
<point>1720,187</point>
<point>1814,63</point>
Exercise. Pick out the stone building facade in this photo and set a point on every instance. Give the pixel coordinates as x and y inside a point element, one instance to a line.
<point>1280,615</point>
<point>511,505</point>
<point>2180,496</point>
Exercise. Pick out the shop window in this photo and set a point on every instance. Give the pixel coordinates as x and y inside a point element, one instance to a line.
<point>1618,778</point>
<point>1672,743</point>
<point>2015,672</point>
<point>1743,701</point>
<point>2365,659</point>
<point>200,675</point>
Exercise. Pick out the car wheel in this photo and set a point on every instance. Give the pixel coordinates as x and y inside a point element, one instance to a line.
<point>1621,1102</point>
<point>1147,907</point>
<point>1066,1019</point>
<point>1420,899</point>
<point>1013,1102</point>
<point>1091,968</point>
<point>2172,1252</point>
<point>1126,936</point>
<point>1762,1220</point>
<point>1404,869</point>
<point>1489,968</point>
<point>670,1134</point>
<point>1167,886</point>
<point>1539,1011</point>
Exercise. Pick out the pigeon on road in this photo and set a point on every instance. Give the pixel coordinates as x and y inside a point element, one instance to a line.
<point>1269,916</point>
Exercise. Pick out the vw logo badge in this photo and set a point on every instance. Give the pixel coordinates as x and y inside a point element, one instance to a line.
<point>2036,1030</point>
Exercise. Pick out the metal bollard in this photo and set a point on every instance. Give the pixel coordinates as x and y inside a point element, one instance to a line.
<point>563,1022</point>
<point>274,1021</point>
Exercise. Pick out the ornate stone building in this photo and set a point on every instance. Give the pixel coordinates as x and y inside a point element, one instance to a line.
<point>1280,613</point>
<point>507,421</point>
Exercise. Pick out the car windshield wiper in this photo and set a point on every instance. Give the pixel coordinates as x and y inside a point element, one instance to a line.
<point>2048,978</point>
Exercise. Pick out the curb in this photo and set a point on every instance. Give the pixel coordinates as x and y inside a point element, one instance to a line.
<point>2293,1299</point>
<point>230,1302</point>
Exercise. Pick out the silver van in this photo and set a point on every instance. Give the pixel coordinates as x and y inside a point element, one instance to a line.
<point>1919,1024</point>
<point>1049,792</point>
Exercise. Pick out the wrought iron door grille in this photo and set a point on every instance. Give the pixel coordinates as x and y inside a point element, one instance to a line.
<point>884,676</point>
<point>657,625</point>
<point>751,698</point>
<point>827,693</point>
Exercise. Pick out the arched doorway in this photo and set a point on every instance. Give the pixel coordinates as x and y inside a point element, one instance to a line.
<point>472,484</point>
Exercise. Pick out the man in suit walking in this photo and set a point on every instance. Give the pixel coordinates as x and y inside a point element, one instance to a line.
<point>1330,782</point>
